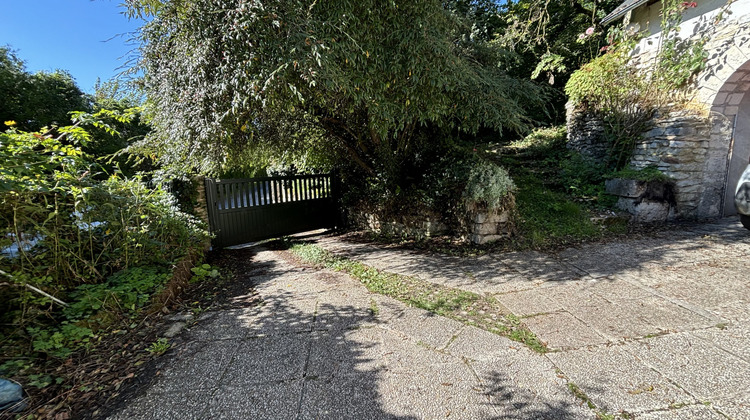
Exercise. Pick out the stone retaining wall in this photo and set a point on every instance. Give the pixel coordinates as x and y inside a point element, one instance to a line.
<point>692,150</point>
<point>486,227</point>
<point>585,133</point>
<point>687,146</point>
<point>483,226</point>
<point>414,229</point>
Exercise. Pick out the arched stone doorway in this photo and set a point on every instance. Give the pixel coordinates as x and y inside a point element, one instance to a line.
<point>733,103</point>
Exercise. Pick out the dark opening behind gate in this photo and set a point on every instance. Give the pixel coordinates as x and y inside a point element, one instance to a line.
<point>246,210</point>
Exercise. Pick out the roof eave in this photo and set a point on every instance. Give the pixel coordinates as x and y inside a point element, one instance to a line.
<point>621,11</point>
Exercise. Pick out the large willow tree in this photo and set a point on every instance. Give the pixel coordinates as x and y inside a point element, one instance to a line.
<point>358,80</point>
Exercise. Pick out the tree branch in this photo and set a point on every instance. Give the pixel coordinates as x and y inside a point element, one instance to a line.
<point>41,292</point>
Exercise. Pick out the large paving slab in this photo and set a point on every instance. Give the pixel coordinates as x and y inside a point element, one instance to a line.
<point>616,380</point>
<point>696,365</point>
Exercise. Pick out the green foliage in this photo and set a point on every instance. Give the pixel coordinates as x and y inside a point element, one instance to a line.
<point>551,63</point>
<point>594,84</point>
<point>110,145</point>
<point>59,341</point>
<point>581,176</point>
<point>36,100</point>
<point>159,347</point>
<point>204,272</point>
<point>679,60</point>
<point>547,216</point>
<point>93,307</point>
<point>102,246</point>
<point>359,83</point>
<point>542,142</point>
<point>85,229</point>
<point>488,185</point>
<point>124,292</point>
<point>549,41</point>
<point>647,174</point>
<point>615,88</point>
<point>557,191</point>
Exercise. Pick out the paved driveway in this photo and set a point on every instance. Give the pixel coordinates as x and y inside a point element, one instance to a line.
<point>656,328</point>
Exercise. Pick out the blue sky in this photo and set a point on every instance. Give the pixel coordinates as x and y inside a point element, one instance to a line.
<point>84,37</point>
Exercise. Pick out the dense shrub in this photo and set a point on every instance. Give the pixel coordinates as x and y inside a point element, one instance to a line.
<point>69,237</point>
<point>488,185</point>
<point>625,94</point>
<point>446,184</point>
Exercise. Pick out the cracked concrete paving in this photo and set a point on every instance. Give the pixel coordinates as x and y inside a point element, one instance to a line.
<point>657,328</point>
<point>323,347</point>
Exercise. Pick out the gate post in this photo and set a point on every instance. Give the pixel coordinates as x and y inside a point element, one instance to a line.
<point>202,208</point>
<point>210,188</point>
<point>336,195</point>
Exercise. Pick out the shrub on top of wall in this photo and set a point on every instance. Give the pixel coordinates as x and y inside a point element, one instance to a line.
<point>624,94</point>
<point>488,186</point>
<point>451,187</point>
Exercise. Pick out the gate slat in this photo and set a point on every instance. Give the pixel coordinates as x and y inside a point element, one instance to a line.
<point>220,195</point>
<point>243,194</point>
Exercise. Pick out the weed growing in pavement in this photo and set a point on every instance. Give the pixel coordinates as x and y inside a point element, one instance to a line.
<point>467,307</point>
<point>159,347</point>
<point>578,393</point>
<point>600,413</point>
<point>374,310</point>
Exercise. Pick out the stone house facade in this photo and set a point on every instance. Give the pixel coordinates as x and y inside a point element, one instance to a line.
<point>704,149</point>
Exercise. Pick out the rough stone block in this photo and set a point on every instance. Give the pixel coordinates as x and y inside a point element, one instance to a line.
<point>688,167</point>
<point>677,175</point>
<point>498,217</point>
<point>483,239</point>
<point>485,228</point>
<point>678,144</point>
<point>692,189</point>
<point>648,211</point>
<point>654,132</point>
<point>625,187</point>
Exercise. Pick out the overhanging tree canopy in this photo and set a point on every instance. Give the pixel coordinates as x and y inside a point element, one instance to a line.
<point>228,76</point>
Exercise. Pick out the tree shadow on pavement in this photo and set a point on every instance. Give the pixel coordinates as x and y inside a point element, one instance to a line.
<point>514,404</point>
<point>267,354</point>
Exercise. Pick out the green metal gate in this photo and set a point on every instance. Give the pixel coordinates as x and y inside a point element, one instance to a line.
<point>246,210</point>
